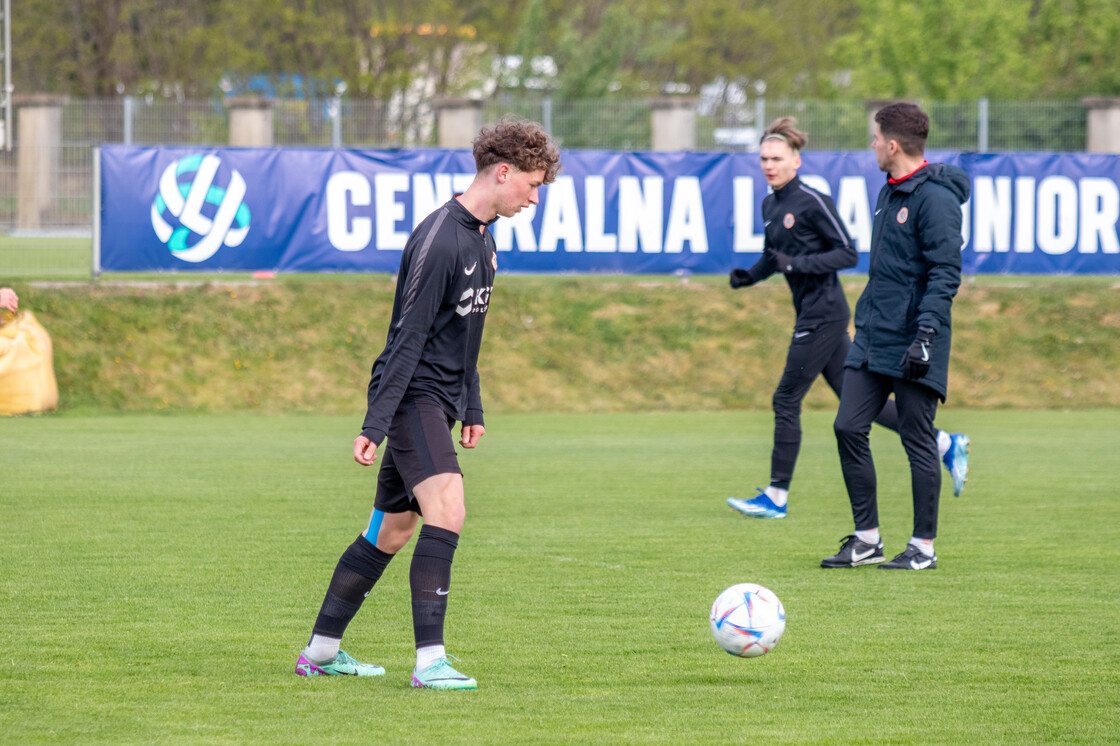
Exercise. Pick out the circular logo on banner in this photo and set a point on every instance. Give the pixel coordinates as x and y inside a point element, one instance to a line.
<point>903,214</point>
<point>193,215</point>
<point>788,220</point>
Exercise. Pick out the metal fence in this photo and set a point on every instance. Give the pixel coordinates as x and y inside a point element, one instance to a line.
<point>981,126</point>
<point>611,124</point>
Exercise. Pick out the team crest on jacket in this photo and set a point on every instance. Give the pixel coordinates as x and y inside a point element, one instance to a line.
<point>788,220</point>
<point>902,215</point>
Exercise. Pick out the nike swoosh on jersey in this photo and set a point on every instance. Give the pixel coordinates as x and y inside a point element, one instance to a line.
<point>469,272</point>
<point>799,335</point>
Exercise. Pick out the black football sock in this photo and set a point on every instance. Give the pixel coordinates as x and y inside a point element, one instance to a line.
<point>430,580</point>
<point>358,569</point>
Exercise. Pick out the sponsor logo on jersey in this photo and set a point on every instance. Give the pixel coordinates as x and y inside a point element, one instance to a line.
<point>474,301</point>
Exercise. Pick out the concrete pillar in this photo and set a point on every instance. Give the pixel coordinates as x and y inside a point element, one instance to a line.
<point>1103,126</point>
<point>39,141</point>
<point>250,122</point>
<point>458,122</point>
<point>673,123</point>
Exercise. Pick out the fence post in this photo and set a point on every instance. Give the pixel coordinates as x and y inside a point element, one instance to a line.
<point>126,114</point>
<point>546,114</point>
<point>982,126</point>
<point>37,163</point>
<point>759,120</point>
<point>1103,126</point>
<point>250,122</point>
<point>458,121</point>
<point>335,109</point>
<point>673,123</point>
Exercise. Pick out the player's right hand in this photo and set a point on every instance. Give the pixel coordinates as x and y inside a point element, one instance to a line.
<point>365,452</point>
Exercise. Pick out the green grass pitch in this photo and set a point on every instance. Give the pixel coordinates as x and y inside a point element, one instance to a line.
<point>160,574</point>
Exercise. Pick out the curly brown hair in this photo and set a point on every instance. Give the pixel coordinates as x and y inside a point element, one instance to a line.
<point>905,123</point>
<point>785,129</point>
<point>521,143</point>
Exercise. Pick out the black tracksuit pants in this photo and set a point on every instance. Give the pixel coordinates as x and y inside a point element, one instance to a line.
<point>812,352</point>
<point>864,395</point>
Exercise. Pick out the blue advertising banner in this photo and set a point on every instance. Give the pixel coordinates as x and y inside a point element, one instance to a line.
<point>303,210</point>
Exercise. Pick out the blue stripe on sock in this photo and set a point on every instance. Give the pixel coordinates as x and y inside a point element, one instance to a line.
<point>374,526</point>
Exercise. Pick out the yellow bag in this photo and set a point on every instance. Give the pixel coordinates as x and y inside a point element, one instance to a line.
<point>27,382</point>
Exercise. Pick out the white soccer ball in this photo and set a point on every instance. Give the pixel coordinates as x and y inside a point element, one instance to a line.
<point>748,620</point>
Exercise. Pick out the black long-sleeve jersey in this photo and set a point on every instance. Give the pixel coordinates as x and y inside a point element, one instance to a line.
<point>803,224</point>
<point>443,293</point>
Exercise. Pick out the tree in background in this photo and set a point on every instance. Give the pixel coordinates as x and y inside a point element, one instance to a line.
<point>65,47</point>
<point>1074,41</point>
<point>188,47</point>
<point>962,49</point>
<point>594,48</point>
<point>780,49</point>
<point>901,49</point>
<point>405,50</point>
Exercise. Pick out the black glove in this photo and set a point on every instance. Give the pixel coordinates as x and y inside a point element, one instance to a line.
<point>741,278</point>
<point>915,363</point>
<point>784,261</point>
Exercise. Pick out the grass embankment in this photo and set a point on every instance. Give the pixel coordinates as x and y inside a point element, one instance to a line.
<point>578,344</point>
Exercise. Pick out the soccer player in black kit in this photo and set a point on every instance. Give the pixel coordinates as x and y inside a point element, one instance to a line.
<point>426,379</point>
<point>806,241</point>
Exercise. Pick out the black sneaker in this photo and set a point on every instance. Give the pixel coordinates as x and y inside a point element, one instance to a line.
<point>911,559</point>
<point>854,553</point>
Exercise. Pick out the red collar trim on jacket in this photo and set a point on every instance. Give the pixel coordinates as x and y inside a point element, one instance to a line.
<point>893,180</point>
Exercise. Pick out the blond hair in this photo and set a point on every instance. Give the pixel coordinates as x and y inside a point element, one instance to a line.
<point>785,130</point>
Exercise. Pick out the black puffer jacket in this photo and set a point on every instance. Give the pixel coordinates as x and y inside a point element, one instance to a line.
<point>914,273</point>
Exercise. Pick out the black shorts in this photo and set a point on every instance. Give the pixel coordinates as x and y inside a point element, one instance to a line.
<point>419,445</point>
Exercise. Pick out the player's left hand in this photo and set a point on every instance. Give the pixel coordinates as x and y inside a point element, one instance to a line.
<point>470,435</point>
<point>784,261</point>
<point>365,451</point>
<point>915,363</point>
